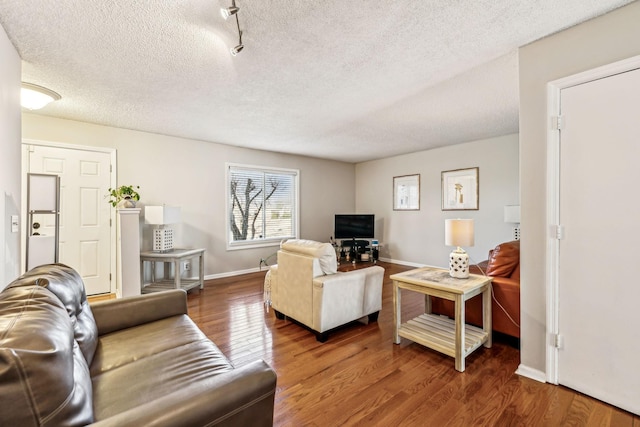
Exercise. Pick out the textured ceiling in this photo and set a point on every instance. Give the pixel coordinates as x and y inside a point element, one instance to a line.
<point>346,80</point>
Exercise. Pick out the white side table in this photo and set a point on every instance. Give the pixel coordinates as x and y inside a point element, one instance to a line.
<point>175,257</point>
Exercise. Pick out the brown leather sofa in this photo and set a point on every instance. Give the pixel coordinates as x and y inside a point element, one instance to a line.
<point>127,362</point>
<point>503,266</point>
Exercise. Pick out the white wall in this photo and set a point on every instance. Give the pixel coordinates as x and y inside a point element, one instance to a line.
<point>417,237</point>
<point>601,41</point>
<point>191,174</point>
<point>10,70</point>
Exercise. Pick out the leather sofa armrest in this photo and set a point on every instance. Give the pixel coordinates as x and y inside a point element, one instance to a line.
<point>242,397</point>
<point>117,314</point>
<point>507,283</point>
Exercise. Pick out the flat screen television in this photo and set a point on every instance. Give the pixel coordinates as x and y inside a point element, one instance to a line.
<point>354,226</point>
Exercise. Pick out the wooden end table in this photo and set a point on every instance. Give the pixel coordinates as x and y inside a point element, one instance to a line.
<point>449,336</point>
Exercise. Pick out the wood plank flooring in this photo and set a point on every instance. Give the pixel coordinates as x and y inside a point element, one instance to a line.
<point>359,377</point>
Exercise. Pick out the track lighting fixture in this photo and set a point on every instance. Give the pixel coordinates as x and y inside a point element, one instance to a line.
<point>237,49</point>
<point>227,12</point>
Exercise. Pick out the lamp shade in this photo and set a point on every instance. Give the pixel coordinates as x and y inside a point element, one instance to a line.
<point>458,232</point>
<point>160,215</point>
<point>512,214</point>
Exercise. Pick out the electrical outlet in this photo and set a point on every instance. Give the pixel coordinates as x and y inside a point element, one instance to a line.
<point>187,266</point>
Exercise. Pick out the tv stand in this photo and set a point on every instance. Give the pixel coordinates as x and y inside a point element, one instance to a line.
<point>356,248</point>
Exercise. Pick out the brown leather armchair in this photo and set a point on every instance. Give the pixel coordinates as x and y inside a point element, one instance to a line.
<point>503,266</point>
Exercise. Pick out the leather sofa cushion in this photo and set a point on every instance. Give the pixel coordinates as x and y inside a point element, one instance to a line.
<point>65,283</point>
<point>140,364</point>
<point>503,259</point>
<point>44,377</point>
<point>323,251</point>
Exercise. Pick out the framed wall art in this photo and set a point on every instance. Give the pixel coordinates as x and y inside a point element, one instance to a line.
<point>406,193</point>
<point>461,190</point>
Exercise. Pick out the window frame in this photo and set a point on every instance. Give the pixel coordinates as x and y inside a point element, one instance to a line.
<point>260,243</point>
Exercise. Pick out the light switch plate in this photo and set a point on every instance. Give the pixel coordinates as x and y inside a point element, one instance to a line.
<point>15,225</point>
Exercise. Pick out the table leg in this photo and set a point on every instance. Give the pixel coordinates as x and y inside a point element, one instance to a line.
<point>460,339</point>
<point>486,315</point>
<point>153,271</point>
<point>396,313</point>
<point>141,275</point>
<point>201,264</point>
<point>166,271</point>
<point>427,304</point>
<point>176,273</point>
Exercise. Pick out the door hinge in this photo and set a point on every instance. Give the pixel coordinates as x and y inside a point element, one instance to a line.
<point>558,341</point>
<point>557,122</point>
<point>559,232</point>
<point>109,276</point>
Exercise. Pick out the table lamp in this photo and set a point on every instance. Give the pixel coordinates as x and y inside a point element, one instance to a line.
<point>161,217</point>
<point>458,232</point>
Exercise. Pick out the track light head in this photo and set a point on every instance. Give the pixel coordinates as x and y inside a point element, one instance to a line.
<point>226,12</point>
<point>237,49</point>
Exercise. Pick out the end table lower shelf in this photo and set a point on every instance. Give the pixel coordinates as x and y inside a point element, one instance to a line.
<point>439,332</point>
<point>165,285</point>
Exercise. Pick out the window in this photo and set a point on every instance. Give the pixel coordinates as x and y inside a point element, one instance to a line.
<point>262,205</point>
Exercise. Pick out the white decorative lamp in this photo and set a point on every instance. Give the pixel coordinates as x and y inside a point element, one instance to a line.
<point>161,216</point>
<point>458,232</point>
<point>512,215</point>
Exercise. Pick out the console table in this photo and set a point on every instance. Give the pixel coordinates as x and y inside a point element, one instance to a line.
<point>175,257</point>
<point>451,337</point>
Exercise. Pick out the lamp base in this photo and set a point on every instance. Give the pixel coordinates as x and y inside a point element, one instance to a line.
<point>459,264</point>
<point>162,239</point>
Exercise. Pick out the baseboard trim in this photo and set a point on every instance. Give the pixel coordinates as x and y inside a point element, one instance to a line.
<point>264,269</point>
<point>534,374</point>
<point>235,273</point>
<point>407,263</point>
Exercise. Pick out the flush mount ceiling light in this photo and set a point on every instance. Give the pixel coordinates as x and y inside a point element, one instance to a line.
<point>34,97</point>
<point>227,12</point>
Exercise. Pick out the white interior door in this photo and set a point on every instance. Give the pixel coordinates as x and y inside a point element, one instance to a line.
<point>85,232</point>
<point>599,289</point>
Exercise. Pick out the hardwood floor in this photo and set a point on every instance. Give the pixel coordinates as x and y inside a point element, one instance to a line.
<point>359,377</point>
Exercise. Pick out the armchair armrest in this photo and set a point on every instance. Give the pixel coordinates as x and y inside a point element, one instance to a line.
<point>113,315</point>
<point>339,278</point>
<point>244,396</point>
<point>349,276</point>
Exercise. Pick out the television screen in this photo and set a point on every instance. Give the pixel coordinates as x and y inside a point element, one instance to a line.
<point>358,226</point>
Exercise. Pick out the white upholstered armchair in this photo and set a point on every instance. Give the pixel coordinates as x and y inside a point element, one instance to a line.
<point>306,287</point>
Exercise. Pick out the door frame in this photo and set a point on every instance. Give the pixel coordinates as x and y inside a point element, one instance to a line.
<point>554,89</point>
<point>112,215</point>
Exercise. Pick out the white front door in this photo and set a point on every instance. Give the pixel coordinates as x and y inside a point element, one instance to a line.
<point>85,231</point>
<point>599,258</point>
